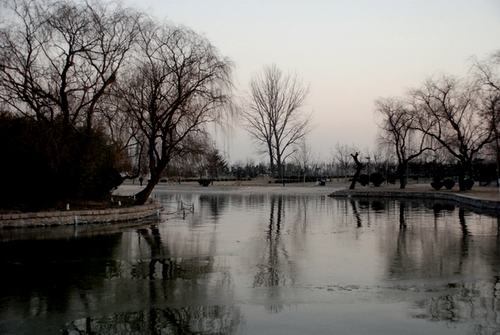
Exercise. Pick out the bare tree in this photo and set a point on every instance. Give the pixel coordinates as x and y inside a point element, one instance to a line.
<point>449,112</point>
<point>303,156</point>
<point>487,74</point>
<point>176,86</point>
<point>58,59</point>
<point>398,133</point>
<point>342,157</point>
<point>375,159</point>
<point>274,116</point>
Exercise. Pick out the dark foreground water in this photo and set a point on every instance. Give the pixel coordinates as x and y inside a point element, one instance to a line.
<point>259,264</point>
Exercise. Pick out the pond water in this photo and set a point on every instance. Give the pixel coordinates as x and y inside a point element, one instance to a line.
<point>259,264</point>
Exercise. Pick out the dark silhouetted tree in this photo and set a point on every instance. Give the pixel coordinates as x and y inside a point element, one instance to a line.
<point>177,85</point>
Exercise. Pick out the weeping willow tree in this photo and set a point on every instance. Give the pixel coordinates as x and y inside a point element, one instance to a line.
<point>177,85</point>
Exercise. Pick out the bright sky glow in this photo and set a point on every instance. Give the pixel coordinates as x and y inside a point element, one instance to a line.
<point>350,52</point>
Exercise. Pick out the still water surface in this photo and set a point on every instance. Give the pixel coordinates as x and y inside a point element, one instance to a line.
<point>259,264</point>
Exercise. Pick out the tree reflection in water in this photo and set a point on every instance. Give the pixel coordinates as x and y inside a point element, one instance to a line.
<point>402,216</point>
<point>420,251</point>
<point>421,254</point>
<point>243,262</point>
<point>186,320</point>
<point>356,213</point>
<point>153,239</point>
<point>275,270</point>
<point>168,279</point>
<point>216,202</point>
<point>269,270</point>
<point>476,303</point>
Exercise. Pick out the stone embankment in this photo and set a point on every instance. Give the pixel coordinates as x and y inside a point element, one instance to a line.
<point>48,219</point>
<point>460,199</point>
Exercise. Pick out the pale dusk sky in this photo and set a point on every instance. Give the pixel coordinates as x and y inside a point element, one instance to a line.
<point>350,52</point>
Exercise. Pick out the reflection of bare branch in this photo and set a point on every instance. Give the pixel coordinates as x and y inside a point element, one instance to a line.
<point>169,268</point>
<point>185,320</point>
<point>471,303</point>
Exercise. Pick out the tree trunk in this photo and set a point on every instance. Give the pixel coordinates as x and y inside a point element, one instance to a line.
<point>359,166</point>
<point>461,178</point>
<point>142,196</point>
<point>271,161</point>
<point>498,158</point>
<point>401,175</point>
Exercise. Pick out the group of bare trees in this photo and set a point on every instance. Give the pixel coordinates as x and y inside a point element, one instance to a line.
<point>458,118</point>
<point>82,68</point>
<point>152,87</point>
<point>78,66</point>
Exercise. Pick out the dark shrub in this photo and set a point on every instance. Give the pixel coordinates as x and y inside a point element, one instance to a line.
<point>98,183</point>
<point>468,184</point>
<point>204,182</point>
<point>364,179</point>
<point>54,165</point>
<point>378,206</point>
<point>437,184</point>
<point>448,184</point>
<point>377,179</point>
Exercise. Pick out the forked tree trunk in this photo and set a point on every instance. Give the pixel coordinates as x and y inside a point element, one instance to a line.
<point>359,166</point>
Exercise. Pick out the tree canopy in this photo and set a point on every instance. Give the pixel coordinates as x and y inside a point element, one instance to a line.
<point>95,78</point>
